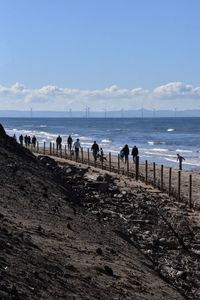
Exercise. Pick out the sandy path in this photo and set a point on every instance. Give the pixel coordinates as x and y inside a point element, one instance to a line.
<point>117,165</point>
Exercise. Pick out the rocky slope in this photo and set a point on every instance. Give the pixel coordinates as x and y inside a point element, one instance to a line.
<point>68,232</point>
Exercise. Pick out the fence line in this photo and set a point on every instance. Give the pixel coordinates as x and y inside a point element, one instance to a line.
<point>148,173</point>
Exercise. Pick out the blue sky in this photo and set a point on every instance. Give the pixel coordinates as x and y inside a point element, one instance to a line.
<point>92,48</point>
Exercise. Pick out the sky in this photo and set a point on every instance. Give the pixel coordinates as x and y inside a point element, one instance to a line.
<point>104,54</point>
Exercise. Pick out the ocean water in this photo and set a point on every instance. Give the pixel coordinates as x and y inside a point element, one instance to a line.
<point>158,139</point>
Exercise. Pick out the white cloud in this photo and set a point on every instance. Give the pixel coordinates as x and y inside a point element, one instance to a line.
<point>176,90</point>
<point>51,97</point>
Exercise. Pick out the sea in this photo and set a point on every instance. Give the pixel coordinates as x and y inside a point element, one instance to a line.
<point>158,139</point>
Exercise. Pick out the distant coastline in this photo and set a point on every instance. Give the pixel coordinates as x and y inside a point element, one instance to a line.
<point>69,113</point>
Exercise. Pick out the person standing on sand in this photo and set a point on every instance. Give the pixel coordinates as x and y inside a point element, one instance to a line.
<point>58,142</point>
<point>21,139</point>
<point>134,153</point>
<point>125,151</point>
<point>26,140</point>
<point>76,147</point>
<point>69,142</point>
<point>180,159</point>
<point>95,150</point>
<point>34,141</point>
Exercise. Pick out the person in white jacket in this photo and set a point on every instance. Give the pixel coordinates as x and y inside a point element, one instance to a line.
<point>77,146</point>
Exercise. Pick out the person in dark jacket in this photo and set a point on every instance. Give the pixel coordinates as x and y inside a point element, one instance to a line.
<point>95,150</point>
<point>34,141</point>
<point>180,159</point>
<point>21,139</point>
<point>58,142</point>
<point>134,153</point>
<point>125,151</point>
<point>26,140</point>
<point>69,142</point>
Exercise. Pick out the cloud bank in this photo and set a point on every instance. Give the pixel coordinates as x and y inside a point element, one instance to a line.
<point>51,97</point>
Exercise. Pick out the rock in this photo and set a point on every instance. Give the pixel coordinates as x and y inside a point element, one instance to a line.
<point>99,251</point>
<point>69,226</point>
<point>108,270</point>
<point>101,186</point>
<point>46,160</point>
<point>68,170</point>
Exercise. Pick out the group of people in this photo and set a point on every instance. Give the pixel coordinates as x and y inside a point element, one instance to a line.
<point>76,147</point>
<point>27,140</point>
<point>96,150</point>
<point>59,142</point>
<point>124,153</point>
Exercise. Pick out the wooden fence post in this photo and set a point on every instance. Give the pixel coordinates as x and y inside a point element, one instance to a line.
<point>179,185</point>
<point>170,180</point>
<point>65,151</point>
<point>118,160</point>
<point>101,162</point>
<point>137,168</point>
<point>70,154</point>
<point>88,155</point>
<point>37,147</point>
<point>95,161</point>
<point>190,191</point>
<point>161,178</point>
<point>50,148</point>
<point>110,161</point>
<point>128,167</point>
<point>146,172</point>
<point>154,174</point>
<point>82,155</point>
<point>53,148</point>
<point>44,147</point>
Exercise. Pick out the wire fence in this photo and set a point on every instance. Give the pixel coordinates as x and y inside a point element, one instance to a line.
<point>165,179</point>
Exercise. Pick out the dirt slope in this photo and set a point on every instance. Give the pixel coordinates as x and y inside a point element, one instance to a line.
<point>52,246</point>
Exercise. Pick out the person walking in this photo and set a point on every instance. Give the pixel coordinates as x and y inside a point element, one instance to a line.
<point>26,140</point>
<point>77,146</point>
<point>134,153</point>
<point>95,150</point>
<point>69,142</point>
<point>21,139</point>
<point>180,160</point>
<point>101,155</point>
<point>125,151</point>
<point>34,141</point>
<point>58,143</point>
